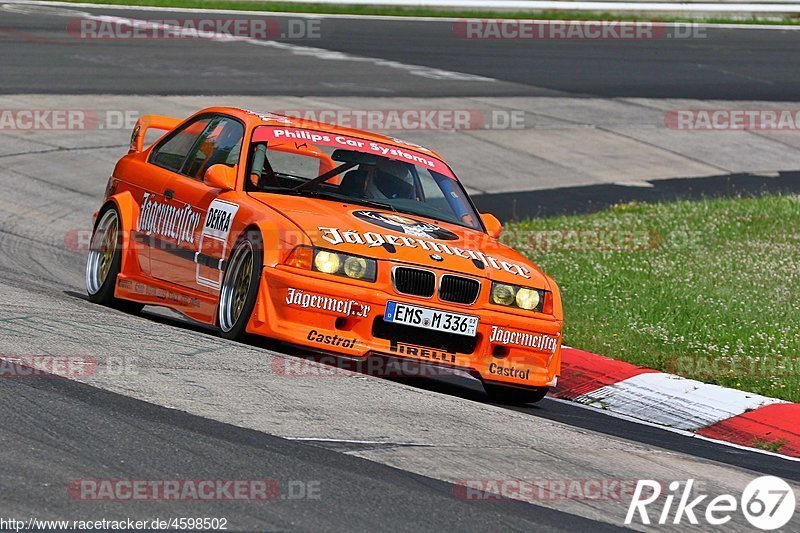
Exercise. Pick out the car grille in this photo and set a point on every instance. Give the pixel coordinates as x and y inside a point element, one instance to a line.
<point>438,340</point>
<point>414,281</point>
<point>459,290</point>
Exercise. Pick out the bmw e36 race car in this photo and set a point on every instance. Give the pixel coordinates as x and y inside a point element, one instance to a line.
<point>336,240</point>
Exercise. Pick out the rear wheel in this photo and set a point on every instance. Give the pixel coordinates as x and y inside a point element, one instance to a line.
<point>104,263</point>
<point>514,396</point>
<point>240,287</point>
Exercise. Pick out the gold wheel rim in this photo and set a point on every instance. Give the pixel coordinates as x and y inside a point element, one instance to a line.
<point>102,251</point>
<point>236,287</point>
<point>107,249</point>
<point>243,286</point>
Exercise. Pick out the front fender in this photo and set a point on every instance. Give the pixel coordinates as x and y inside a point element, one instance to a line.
<point>277,241</point>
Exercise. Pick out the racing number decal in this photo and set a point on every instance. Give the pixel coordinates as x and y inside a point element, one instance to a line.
<point>214,243</point>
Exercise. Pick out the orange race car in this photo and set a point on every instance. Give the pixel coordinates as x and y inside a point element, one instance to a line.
<point>333,239</point>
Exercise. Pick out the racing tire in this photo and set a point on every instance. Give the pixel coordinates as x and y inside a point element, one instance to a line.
<point>514,396</point>
<point>239,290</point>
<point>105,261</point>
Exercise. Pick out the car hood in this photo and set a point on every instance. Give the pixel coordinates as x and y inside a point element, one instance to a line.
<point>404,238</point>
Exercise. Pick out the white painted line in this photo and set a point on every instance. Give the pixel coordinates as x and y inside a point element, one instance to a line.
<point>369,17</point>
<point>522,5</point>
<point>332,55</point>
<point>674,401</point>
<point>636,183</point>
<point>682,432</point>
<point>347,441</point>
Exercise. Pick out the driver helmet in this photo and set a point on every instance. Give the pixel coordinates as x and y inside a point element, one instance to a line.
<point>390,179</point>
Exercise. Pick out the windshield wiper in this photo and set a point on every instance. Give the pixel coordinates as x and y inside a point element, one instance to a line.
<point>346,199</point>
<point>332,196</point>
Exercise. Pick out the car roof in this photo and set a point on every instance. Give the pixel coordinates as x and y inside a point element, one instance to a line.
<point>255,119</point>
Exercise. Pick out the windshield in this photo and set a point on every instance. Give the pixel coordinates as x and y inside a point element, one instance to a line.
<point>319,164</point>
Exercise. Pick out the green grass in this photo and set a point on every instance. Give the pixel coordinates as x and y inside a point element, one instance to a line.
<point>711,291</point>
<point>770,446</point>
<point>345,9</point>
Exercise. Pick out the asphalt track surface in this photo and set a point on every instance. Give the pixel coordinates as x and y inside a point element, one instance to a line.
<point>385,454</point>
<point>40,56</point>
<point>45,444</point>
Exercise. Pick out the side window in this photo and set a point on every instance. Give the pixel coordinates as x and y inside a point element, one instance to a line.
<point>172,154</point>
<point>221,143</point>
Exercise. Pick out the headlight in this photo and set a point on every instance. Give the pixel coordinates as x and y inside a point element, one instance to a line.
<point>502,294</point>
<point>327,262</point>
<point>351,266</point>
<point>527,299</point>
<point>521,297</point>
<point>355,267</point>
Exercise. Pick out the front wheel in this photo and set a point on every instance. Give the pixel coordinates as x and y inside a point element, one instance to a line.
<point>240,287</point>
<point>515,396</point>
<point>105,261</point>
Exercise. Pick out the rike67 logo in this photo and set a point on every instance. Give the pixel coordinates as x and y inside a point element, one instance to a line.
<point>768,503</point>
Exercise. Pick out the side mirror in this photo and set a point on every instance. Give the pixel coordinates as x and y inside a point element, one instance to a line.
<point>493,226</point>
<point>221,176</point>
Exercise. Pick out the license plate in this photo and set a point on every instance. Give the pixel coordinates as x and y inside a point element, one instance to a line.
<point>424,317</point>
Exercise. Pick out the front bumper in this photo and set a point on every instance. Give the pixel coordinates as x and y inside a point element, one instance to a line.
<point>329,314</point>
